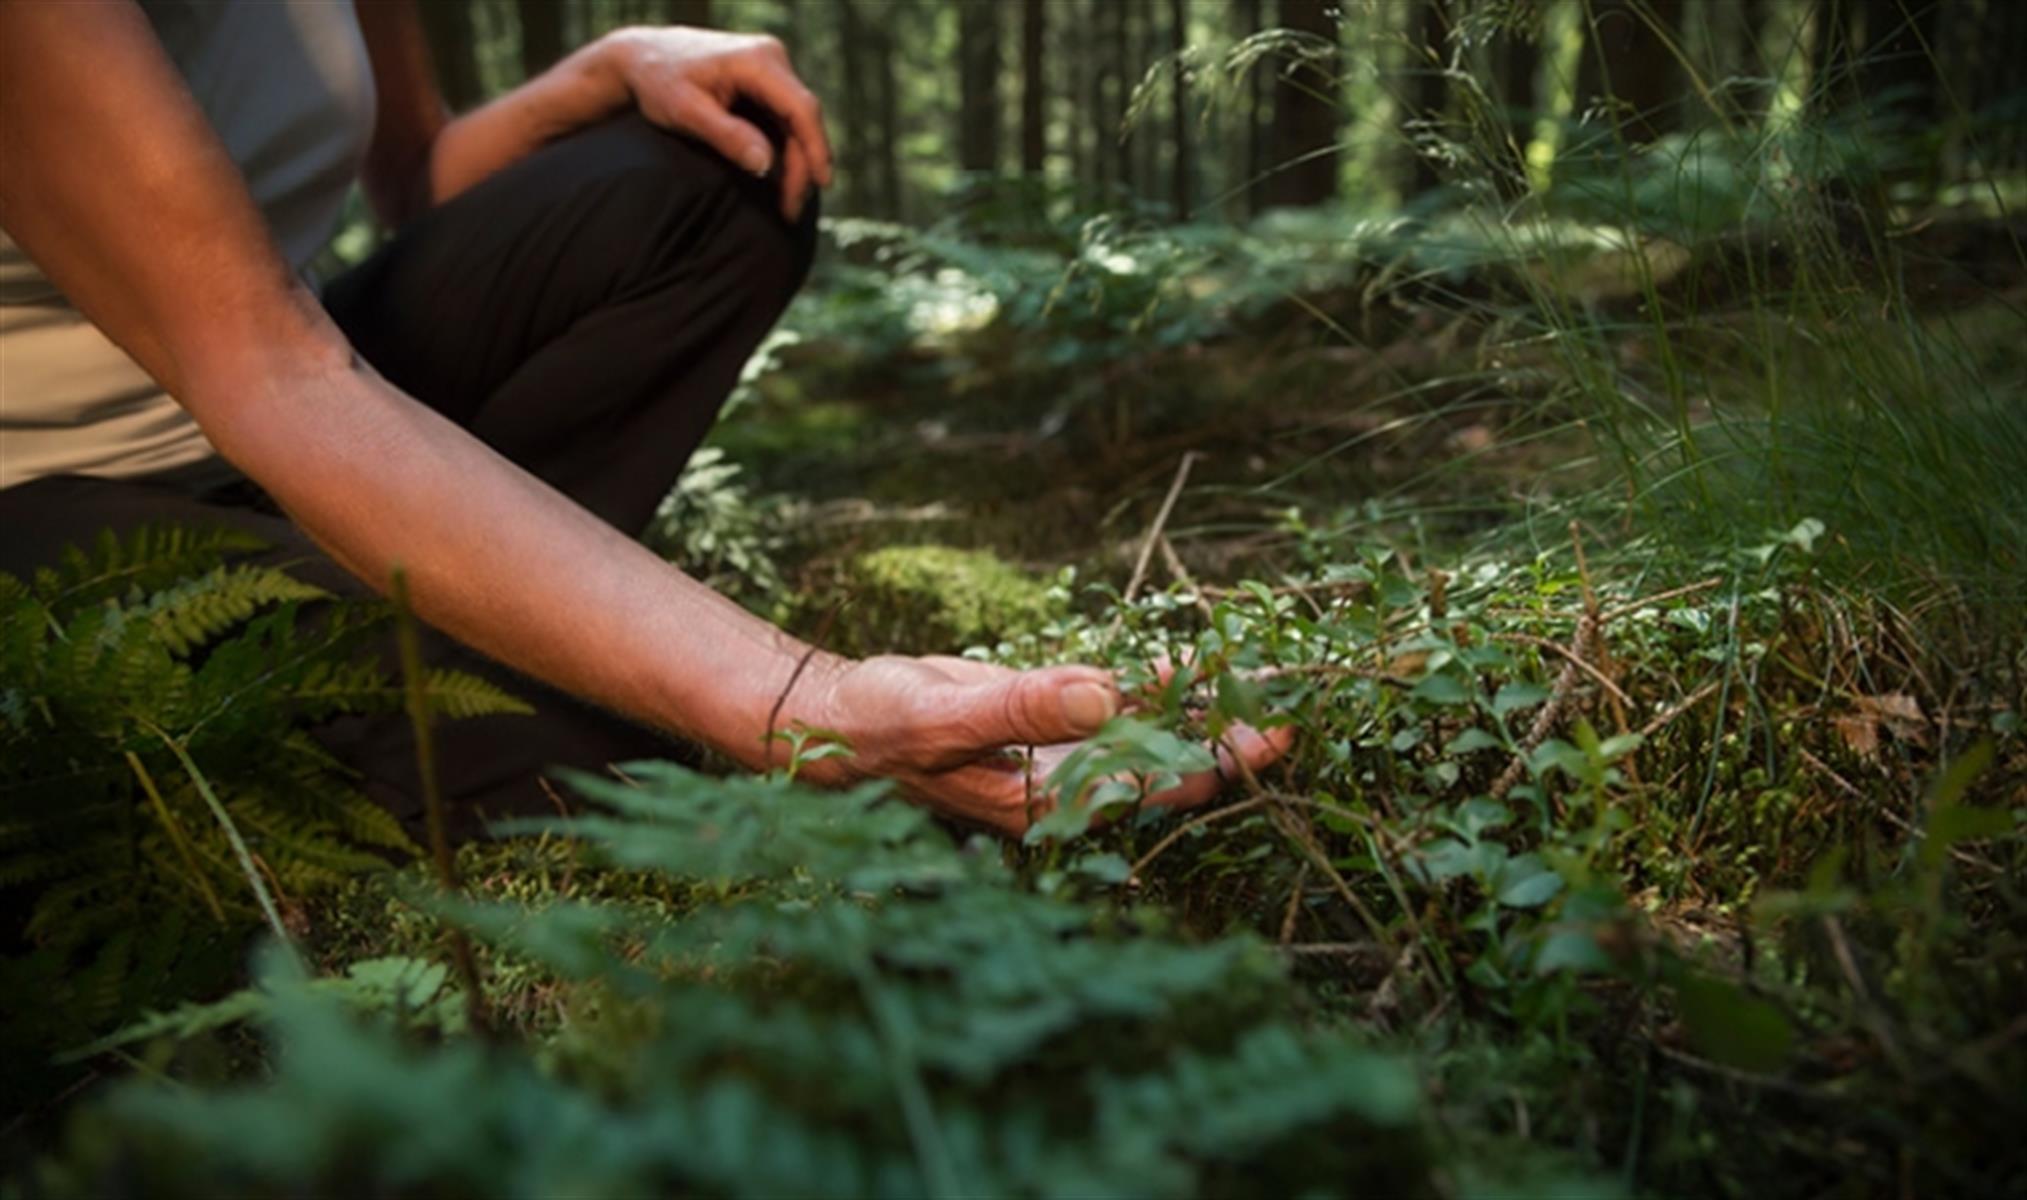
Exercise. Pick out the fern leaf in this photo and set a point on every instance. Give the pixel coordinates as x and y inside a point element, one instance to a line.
<point>458,695</point>
<point>195,611</point>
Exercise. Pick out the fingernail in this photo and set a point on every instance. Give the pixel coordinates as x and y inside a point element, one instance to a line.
<point>1089,705</point>
<point>758,162</point>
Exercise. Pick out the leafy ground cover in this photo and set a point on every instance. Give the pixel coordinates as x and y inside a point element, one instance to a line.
<point>1646,594</point>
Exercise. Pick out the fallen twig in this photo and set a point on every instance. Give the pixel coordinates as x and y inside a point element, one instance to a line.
<point>1139,575</point>
<point>1667,716</point>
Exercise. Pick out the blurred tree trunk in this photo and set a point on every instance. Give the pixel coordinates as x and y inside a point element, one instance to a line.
<point>453,52</point>
<point>1430,96</point>
<point>1898,68</point>
<point>1098,73</point>
<point>1749,60</point>
<point>1034,90</point>
<point>2003,32</point>
<point>1833,42</point>
<point>1146,142</point>
<point>1076,88</point>
<point>1628,60</point>
<point>1306,111</point>
<point>1519,76</point>
<point>1182,177</point>
<point>688,12</point>
<point>1119,41</point>
<point>855,112</point>
<point>541,34</point>
<point>1252,113</point>
<point>887,120</point>
<point>978,87</point>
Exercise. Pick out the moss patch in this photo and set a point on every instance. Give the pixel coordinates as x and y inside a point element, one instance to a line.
<point>938,598</point>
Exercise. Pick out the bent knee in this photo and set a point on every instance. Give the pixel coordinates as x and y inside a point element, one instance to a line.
<point>691,210</point>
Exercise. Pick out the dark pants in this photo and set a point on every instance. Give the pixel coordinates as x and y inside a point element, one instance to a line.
<point>585,312</point>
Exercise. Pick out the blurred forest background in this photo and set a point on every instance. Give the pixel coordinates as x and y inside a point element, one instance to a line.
<point>1222,109</point>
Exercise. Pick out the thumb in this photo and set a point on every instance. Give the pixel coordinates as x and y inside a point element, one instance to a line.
<point>1036,708</point>
<point>737,139</point>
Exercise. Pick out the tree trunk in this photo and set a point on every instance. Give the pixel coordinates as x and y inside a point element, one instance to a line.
<point>1749,60</point>
<point>1146,143</point>
<point>1076,89</point>
<point>1252,114</point>
<point>1307,112</point>
<point>1629,62</point>
<point>978,87</point>
<point>1182,174</point>
<point>1123,80</point>
<point>1430,47</point>
<point>1898,70</point>
<point>453,52</point>
<point>855,112</point>
<point>682,12</point>
<point>541,34</point>
<point>1034,90</point>
<point>887,123</point>
<point>1519,72</point>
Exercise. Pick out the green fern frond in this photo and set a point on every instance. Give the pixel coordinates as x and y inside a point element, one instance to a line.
<point>193,612</point>
<point>147,558</point>
<point>457,695</point>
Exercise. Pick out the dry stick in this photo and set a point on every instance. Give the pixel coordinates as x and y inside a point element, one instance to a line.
<point>1545,721</point>
<point>1307,844</point>
<point>1191,826</point>
<point>1334,950</point>
<point>1841,949</point>
<point>177,837</point>
<point>1182,576</point>
<point>1160,521</point>
<point>413,684</point>
<point>1893,818</point>
<point>1604,680</point>
<point>1633,606</point>
<point>1294,905</point>
<point>1667,717</point>
<point>1599,649</point>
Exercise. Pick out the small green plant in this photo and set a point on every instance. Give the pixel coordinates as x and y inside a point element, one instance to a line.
<point>973,1038</point>
<point>162,790</point>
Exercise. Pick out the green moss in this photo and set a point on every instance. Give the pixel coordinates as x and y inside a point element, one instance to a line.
<point>929,597</point>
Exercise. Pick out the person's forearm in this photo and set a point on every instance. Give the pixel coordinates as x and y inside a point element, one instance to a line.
<point>584,88</point>
<point>501,561</point>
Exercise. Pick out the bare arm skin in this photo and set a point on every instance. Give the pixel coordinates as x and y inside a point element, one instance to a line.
<point>682,79</point>
<point>191,285</point>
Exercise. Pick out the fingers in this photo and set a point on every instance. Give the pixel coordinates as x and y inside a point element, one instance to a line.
<point>739,140</point>
<point>794,181</point>
<point>1056,704</point>
<point>772,82</point>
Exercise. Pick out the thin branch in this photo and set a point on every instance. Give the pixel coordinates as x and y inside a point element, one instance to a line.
<point>1160,521</point>
<point>1191,826</point>
<point>1632,606</point>
<point>1667,716</point>
<point>415,684</point>
<point>1602,679</point>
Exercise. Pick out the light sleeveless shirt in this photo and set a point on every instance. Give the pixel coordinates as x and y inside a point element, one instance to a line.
<point>287,86</point>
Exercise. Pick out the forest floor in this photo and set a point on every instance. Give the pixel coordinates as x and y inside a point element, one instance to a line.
<point>1670,836</point>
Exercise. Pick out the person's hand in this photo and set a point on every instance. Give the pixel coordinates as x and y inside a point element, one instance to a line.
<point>689,80</point>
<point>955,733</point>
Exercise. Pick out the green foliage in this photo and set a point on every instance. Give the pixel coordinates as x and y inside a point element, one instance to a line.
<point>972,1037</point>
<point>152,727</point>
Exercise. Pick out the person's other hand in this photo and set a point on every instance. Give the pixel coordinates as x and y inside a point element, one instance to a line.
<point>689,80</point>
<point>954,734</point>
